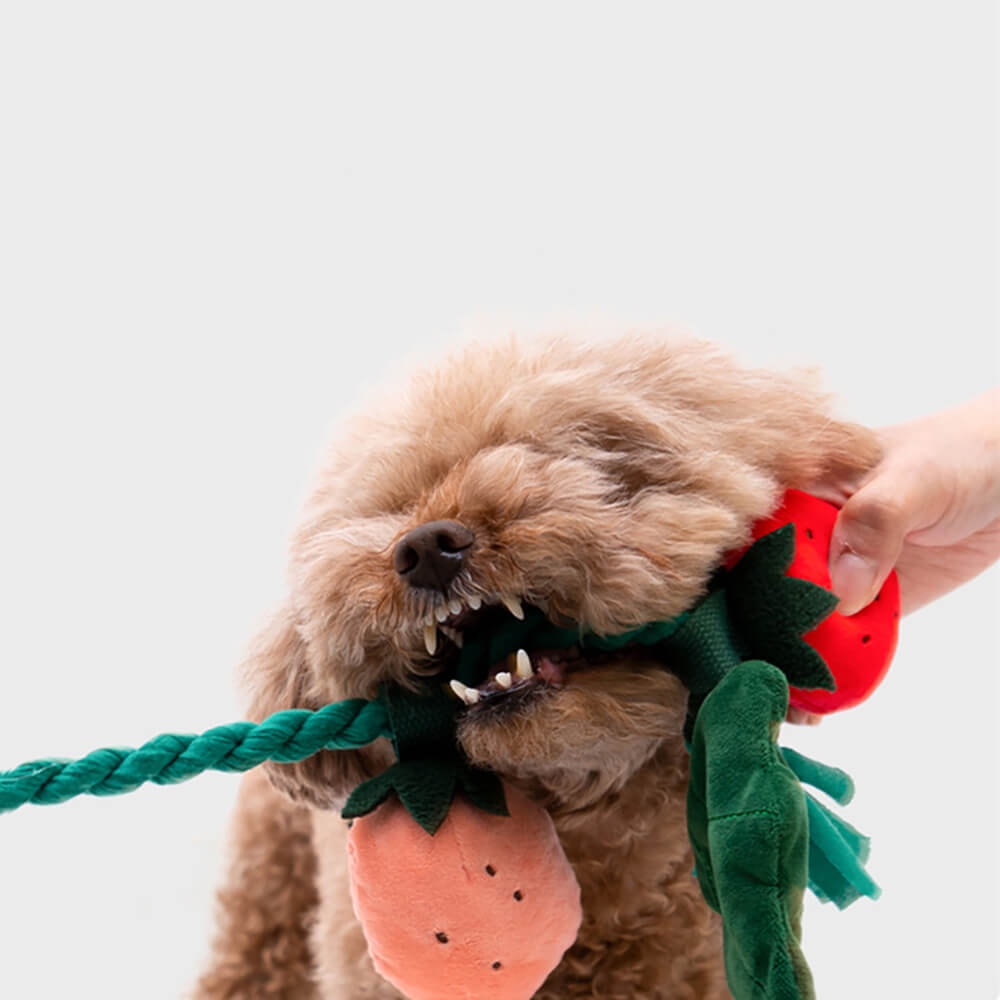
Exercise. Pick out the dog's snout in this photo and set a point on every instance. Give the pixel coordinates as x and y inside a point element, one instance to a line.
<point>432,554</point>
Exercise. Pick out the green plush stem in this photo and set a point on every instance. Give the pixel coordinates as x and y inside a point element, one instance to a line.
<point>165,760</point>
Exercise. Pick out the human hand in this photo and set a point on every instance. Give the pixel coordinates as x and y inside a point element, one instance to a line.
<point>930,509</point>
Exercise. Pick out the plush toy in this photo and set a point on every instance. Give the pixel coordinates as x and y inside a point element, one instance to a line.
<point>460,882</point>
<point>484,906</point>
<point>858,649</point>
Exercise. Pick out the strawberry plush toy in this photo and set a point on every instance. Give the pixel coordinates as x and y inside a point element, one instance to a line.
<point>858,649</point>
<point>460,882</point>
<point>479,910</point>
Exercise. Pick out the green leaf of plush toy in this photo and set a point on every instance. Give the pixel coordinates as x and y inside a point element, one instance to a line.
<point>773,611</point>
<point>748,825</point>
<point>430,767</point>
<point>483,789</point>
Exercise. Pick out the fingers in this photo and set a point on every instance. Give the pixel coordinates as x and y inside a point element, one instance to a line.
<point>867,540</point>
<point>800,717</point>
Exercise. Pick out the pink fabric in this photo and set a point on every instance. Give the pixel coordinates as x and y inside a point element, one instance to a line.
<point>411,890</point>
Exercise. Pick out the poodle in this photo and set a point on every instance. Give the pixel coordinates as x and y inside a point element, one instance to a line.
<point>601,482</point>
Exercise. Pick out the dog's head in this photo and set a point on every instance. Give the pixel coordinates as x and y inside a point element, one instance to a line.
<point>601,484</point>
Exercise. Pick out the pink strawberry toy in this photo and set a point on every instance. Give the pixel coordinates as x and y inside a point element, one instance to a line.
<point>459,881</point>
<point>485,907</point>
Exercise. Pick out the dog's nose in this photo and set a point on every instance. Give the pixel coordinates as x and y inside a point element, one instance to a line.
<point>432,554</point>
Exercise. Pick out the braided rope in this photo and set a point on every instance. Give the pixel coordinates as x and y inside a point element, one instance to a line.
<point>171,758</point>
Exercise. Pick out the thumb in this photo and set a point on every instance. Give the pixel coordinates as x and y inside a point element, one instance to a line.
<point>867,540</point>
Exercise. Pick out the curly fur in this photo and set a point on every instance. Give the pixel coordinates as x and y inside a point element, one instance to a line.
<point>604,483</point>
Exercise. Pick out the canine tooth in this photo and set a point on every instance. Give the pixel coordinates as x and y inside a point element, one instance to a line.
<point>504,679</point>
<point>455,606</point>
<point>475,602</point>
<point>469,695</point>
<point>431,638</point>
<point>523,669</point>
<point>441,613</point>
<point>513,605</point>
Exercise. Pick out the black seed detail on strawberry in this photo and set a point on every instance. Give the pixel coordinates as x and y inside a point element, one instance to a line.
<point>866,638</point>
<point>496,965</point>
<point>491,871</point>
<point>442,937</point>
<point>518,895</point>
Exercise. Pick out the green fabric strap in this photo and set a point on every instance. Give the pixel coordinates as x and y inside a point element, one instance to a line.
<point>165,760</point>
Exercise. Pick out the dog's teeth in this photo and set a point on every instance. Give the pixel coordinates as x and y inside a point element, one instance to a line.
<point>454,635</point>
<point>523,669</point>
<point>441,613</point>
<point>504,679</point>
<point>455,606</point>
<point>431,638</point>
<point>469,695</point>
<point>475,602</point>
<point>513,605</point>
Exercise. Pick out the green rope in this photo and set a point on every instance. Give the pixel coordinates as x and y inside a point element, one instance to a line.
<point>168,759</point>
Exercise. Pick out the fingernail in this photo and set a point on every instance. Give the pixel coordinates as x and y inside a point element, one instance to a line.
<point>853,579</point>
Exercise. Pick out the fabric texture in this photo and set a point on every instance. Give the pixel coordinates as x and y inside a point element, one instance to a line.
<point>486,906</point>
<point>747,819</point>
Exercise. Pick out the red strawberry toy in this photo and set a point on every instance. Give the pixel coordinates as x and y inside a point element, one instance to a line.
<point>857,649</point>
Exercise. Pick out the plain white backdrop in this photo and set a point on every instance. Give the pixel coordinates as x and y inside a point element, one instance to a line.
<point>221,223</point>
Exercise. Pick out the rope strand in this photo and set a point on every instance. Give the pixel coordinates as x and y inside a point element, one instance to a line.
<point>284,737</point>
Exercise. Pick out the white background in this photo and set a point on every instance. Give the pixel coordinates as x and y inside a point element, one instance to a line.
<point>220,223</point>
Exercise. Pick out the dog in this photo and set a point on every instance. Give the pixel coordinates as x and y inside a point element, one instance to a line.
<point>603,483</point>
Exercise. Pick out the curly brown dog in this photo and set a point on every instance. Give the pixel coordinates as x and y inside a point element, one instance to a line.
<point>602,483</point>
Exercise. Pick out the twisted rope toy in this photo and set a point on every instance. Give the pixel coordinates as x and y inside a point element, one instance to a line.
<point>168,759</point>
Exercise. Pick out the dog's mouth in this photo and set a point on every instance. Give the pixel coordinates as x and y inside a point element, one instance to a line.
<point>502,675</point>
<point>522,674</point>
<point>454,617</point>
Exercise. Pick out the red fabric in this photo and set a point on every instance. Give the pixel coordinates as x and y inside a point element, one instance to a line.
<point>857,649</point>
<point>496,889</point>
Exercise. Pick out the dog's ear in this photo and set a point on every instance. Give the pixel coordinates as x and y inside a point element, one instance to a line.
<point>280,676</point>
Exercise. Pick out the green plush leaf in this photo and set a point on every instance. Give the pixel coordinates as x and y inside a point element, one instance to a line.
<point>423,735</point>
<point>748,825</point>
<point>484,790</point>
<point>773,611</point>
<point>426,789</point>
<point>369,795</point>
<point>431,766</point>
<point>770,556</point>
<point>812,604</point>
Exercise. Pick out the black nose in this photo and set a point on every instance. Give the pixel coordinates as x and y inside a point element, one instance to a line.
<point>432,554</point>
